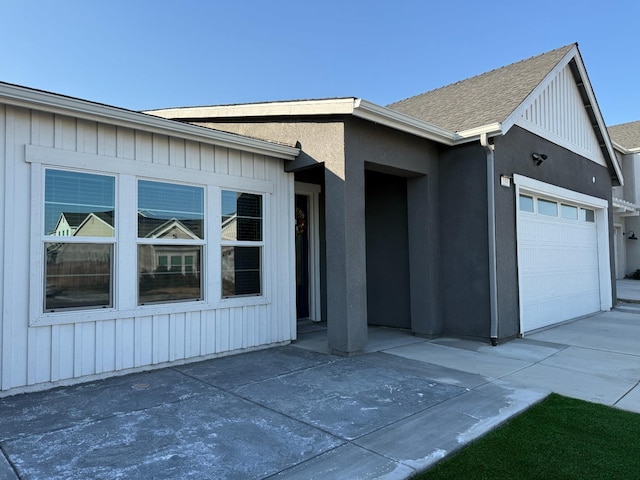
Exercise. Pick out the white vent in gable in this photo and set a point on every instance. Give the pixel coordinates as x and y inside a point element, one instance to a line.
<point>559,115</point>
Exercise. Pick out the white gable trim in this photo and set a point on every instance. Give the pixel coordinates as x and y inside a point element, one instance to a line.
<point>573,130</point>
<point>516,116</point>
<point>538,91</point>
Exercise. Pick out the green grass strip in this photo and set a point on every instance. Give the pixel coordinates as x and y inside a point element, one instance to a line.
<point>559,438</point>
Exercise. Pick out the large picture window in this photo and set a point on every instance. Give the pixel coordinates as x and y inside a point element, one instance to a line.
<point>170,242</point>
<point>79,238</point>
<point>242,243</point>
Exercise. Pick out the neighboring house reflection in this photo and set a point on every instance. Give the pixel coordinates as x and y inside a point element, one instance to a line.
<point>169,271</point>
<point>79,273</point>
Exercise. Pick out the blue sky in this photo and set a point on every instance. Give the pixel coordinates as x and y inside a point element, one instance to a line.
<point>145,54</point>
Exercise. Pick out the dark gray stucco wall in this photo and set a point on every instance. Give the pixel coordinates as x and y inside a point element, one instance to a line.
<point>388,286</point>
<point>464,266</point>
<point>562,168</point>
<point>395,153</point>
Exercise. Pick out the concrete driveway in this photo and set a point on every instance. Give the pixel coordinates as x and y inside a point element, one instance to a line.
<point>296,412</point>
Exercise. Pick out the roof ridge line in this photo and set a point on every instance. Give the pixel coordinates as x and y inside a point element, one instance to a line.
<point>574,44</point>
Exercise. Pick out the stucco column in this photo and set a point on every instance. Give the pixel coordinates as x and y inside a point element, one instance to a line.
<point>345,257</point>
<point>422,218</point>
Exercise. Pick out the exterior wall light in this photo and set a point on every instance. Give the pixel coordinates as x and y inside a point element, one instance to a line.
<point>538,158</point>
<point>632,235</point>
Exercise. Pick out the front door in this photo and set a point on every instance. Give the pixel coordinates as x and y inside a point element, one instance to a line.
<point>302,256</point>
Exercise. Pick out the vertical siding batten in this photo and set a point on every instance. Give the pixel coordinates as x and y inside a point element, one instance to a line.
<point>235,163</point>
<point>16,341</point>
<point>160,153</point>
<point>221,160</point>
<point>246,164</point>
<point>192,155</point>
<point>144,147</point>
<point>125,143</point>
<point>177,152</point>
<point>207,158</point>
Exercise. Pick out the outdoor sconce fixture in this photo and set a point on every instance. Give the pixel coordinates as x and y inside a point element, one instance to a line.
<point>632,235</point>
<point>538,158</point>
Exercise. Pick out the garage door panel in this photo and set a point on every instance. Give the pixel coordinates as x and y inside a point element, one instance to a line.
<point>558,269</point>
<point>543,312</point>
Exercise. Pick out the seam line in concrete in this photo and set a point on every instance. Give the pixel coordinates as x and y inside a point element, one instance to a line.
<point>626,393</point>
<point>11,464</point>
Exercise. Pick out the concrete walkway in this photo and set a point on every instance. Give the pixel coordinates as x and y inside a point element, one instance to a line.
<point>297,412</point>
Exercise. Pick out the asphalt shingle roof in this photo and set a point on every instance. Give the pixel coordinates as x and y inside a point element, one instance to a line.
<point>483,99</point>
<point>626,135</point>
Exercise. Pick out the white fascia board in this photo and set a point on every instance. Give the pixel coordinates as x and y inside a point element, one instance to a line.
<point>58,104</point>
<point>399,121</point>
<point>596,110</point>
<point>340,106</point>
<point>334,106</point>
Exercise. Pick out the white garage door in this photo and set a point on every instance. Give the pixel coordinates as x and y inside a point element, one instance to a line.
<point>557,260</point>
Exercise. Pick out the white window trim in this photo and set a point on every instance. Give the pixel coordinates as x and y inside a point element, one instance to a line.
<point>530,186</point>
<point>127,173</point>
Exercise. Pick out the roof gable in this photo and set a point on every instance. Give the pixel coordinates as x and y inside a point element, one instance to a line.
<point>495,101</point>
<point>484,99</point>
<point>559,114</point>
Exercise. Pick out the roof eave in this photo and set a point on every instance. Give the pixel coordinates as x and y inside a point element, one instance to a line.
<point>399,121</point>
<point>624,150</point>
<point>333,106</point>
<point>356,107</point>
<point>53,103</point>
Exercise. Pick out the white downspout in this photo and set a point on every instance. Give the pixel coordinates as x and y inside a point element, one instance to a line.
<point>491,207</point>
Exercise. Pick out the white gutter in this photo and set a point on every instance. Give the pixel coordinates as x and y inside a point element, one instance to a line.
<point>58,104</point>
<point>475,134</point>
<point>491,214</point>
<point>624,150</point>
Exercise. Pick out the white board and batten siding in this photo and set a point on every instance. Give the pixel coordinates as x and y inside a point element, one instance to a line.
<point>39,350</point>
<point>558,114</point>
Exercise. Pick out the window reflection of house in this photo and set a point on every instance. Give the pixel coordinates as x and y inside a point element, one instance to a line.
<point>169,272</point>
<point>78,224</point>
<point>79,274</point>
<point>96,224</point>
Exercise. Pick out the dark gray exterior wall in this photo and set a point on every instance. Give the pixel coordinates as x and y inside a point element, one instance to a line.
<point>464,233</point>
<point>395,153</point>
<point>464,268</point>
<point>446,219</point>
<point>562,168</point>
<point>347,146</point>
<point>388,284</point>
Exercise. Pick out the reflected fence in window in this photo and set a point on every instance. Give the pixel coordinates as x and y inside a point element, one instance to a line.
<point>78,275</point>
